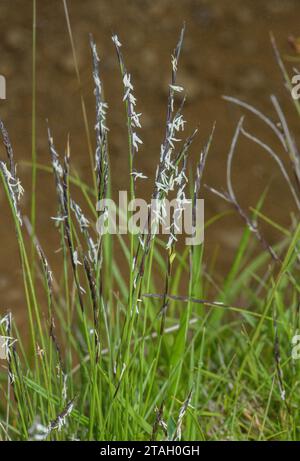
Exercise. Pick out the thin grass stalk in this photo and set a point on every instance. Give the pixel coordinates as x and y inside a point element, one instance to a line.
<point>195,263</point>
<point>133,141</point>
<point>83,106</point>
<point>33,128</point>
<point>101,162</point>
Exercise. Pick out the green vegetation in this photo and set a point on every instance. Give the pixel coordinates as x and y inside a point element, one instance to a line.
<point>112,358</point>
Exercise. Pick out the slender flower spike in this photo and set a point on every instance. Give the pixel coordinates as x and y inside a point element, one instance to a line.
<point>5,321</point>
<point>61,419</point>
<point>64,390</point>
<point>37,431</point>
<point>82,220</point>
<point>101,129</point>
<point>6,343</point>
<point>127,82</point>
<point>58,218</point>
<point>133,118</point>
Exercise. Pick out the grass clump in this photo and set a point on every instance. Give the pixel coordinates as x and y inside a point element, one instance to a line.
<point>115,359</point>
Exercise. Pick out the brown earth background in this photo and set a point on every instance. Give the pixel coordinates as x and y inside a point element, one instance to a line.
<point>226,51</point>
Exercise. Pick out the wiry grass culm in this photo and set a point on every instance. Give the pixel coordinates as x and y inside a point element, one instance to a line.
<point>109,354</point>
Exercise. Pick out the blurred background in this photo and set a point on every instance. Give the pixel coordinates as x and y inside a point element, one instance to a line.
<point>226,50</point>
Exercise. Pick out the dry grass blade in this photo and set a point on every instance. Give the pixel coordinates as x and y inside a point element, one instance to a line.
<point>101,154</point>
<point>230,196</point>
<point>293,150</point>
<point>60,421</point>
<point>260,115</point>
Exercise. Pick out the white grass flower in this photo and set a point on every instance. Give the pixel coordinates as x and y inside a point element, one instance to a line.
<point>116,41</point>
<point>171,141</point>
<point>123,370</point>
<point>133,116</point>
<point>177,88</point>
<point>133,263</point>
<point>138,175</point>
<point>136,141</point>
<point>11,377</point>
<point>174,63</point>
<point>132,99</point>
<point>40,352</point>
<point>182,412</point>
<point>76,259</point>
<point>171,240</point>
<point>135,120</point>
<point>142,243</point>
<point>101,117</point>
<point>38,432</point>
<point>61,419</point>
